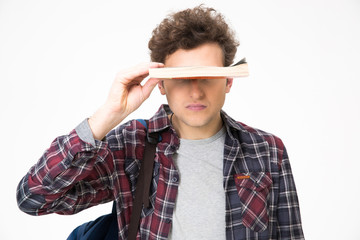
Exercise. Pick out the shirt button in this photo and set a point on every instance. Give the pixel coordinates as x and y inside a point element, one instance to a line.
<point>168,220</point>
<point>174,179</point>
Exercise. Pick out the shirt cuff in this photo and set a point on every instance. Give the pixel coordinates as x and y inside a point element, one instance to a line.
<point>85,133</point>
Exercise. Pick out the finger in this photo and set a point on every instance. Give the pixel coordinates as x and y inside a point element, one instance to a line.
<point>149,86</point>
<point>139,72</point>
<point>156,65</point>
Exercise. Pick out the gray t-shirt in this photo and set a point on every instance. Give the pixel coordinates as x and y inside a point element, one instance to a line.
<point>200,203</point>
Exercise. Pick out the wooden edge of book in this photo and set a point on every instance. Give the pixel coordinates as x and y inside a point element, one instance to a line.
<point>239,69</point>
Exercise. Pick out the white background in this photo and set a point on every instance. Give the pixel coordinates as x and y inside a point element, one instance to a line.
<point>58,59</point>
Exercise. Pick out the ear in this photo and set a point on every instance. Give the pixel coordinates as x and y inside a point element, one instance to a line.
<point>229,82</point>
<point>161,87</point>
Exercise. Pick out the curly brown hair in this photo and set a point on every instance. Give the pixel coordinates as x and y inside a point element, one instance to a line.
<point>189,29</point>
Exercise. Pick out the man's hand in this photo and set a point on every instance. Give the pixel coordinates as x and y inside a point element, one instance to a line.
<point>126,95</point>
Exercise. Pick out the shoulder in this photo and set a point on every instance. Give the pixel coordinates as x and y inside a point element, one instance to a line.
<point>271,139</point>
<point>250,135</point>
<point>263,141</point>
<point>130,132</point>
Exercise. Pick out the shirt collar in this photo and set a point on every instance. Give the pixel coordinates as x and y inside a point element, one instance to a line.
<point>160,120</point>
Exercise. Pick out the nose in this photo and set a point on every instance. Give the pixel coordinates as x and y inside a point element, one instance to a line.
<point>196,89</point>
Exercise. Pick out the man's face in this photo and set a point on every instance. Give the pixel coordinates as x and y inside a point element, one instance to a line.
<point>196,103</point>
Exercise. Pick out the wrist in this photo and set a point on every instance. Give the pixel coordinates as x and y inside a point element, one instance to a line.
<point>103,121</point>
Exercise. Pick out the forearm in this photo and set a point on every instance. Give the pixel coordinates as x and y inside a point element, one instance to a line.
<point>103,120</point>
<point>60,180</point>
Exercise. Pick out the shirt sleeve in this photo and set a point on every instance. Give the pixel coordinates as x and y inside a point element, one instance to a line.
<point>84,132</point>
<point>288,210</point>
<point>74,173</point>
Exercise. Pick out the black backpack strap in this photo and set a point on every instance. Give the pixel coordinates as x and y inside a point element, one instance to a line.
<point>150,149</point>
<point>114,208</point>
<point>143,184</point>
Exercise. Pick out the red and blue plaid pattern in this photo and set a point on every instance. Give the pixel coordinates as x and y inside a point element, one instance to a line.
<point>253,190</point>
<point>73,174</point>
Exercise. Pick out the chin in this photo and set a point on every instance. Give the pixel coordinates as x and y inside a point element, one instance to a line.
<point>196,122</point>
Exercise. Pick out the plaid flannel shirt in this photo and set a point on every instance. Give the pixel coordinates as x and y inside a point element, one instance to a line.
<point>78,172</point>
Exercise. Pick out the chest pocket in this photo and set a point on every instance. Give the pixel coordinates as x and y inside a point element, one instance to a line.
<point>253,189</point>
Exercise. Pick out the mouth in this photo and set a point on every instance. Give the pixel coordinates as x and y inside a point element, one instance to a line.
<point>196,107</point>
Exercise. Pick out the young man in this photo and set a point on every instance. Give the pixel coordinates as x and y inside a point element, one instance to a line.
<point>214,178</point>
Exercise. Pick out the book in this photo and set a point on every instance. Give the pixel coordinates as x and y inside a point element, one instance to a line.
<point>239,69</point>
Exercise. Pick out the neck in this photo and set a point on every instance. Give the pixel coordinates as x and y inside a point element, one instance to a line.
<point>186,131</point>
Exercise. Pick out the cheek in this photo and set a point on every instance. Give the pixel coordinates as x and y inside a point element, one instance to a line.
<point>217,97</point>
<point>175,98</point>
